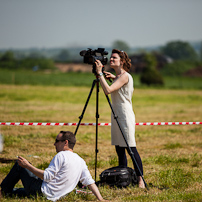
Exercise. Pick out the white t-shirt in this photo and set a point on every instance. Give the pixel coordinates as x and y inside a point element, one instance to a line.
<point>63,174</point>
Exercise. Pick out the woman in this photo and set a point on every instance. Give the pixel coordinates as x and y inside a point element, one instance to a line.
<point>121,92</point>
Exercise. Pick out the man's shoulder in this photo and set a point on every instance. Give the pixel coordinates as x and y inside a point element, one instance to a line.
<point>70,154</point>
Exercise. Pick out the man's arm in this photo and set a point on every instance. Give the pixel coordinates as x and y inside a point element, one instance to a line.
<point>93,187</point>
<point>25,164</point>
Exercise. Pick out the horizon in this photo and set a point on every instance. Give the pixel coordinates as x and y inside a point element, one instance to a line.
<point>94,47</point>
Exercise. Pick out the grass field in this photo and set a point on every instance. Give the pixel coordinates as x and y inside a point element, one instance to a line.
<point>171,155</point>
<point>56,78</point>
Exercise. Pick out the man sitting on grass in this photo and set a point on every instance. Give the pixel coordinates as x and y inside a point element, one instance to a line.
<point>62,175</point>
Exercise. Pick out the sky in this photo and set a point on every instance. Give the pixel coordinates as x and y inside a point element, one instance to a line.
<point>69,23</point>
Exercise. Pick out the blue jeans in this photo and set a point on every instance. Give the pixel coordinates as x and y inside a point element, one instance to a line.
<point>32,184</point>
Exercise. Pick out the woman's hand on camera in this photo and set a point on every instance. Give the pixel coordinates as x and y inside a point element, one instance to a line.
<point>99,66</point>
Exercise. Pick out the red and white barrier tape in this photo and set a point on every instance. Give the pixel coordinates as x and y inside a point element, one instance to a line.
<point>99,124</point>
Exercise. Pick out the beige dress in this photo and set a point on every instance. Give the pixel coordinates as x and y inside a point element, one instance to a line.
<point>122,106</point>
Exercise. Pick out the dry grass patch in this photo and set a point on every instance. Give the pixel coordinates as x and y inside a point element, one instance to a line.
<point>171,154</point>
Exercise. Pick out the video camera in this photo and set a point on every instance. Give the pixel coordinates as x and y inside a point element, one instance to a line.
<point>90,56</point>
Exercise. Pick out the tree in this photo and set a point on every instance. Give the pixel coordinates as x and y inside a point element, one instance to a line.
<point>8,56</point>
<point>179,50</point>
<point>121,45</point>
<point>178,68</point>
<point>201,52</point>
<point>8,60</point>
<point>63,56</point>
<point>150,74</point>
<point>38,63</point>
<point>36,55</point>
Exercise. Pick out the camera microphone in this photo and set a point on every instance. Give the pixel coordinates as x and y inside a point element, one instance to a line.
<point>83,52</point>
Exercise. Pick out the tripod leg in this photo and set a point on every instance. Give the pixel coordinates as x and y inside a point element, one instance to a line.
<point>131,153</point>
<point>84,109</point>
<point>97,117</point>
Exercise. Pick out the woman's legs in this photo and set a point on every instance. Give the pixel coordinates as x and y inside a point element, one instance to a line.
<point>123,162</point>
<point>121,155</point>
<point>138,160</point>
<point>139,164</point>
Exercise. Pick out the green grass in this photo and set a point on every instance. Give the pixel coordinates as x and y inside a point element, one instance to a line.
<point>55,78</point>
<point>23,77</point>
<point>171,155</point>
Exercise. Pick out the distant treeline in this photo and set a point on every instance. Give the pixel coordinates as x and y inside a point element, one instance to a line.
<point>8,61</point>
<point>176,58</point>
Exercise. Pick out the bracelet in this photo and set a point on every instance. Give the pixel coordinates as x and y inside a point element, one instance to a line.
<point>100,74</point>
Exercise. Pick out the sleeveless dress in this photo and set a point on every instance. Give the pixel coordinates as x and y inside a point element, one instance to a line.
<point>122,106</point>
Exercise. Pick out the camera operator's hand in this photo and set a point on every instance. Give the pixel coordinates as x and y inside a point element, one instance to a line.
<point>109,75</point>
<point>99,66</point>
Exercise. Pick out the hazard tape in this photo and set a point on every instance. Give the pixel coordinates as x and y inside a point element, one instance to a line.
<point>99,124</point>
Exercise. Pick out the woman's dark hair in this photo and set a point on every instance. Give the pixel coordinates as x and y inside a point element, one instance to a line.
<point>124,58</point>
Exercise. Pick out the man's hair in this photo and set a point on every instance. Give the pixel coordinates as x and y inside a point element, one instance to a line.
<point>67,135</point>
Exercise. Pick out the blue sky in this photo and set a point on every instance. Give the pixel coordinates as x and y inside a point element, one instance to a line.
<point>67,23</point>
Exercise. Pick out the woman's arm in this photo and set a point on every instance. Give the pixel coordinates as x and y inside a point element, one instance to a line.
<point>115,86</point>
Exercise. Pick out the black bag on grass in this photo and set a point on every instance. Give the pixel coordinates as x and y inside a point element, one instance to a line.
<point>119,176</point>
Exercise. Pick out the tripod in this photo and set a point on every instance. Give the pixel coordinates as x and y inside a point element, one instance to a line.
<point>96,81</point>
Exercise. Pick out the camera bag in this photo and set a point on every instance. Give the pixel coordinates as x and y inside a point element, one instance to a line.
<point>119,176</point>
